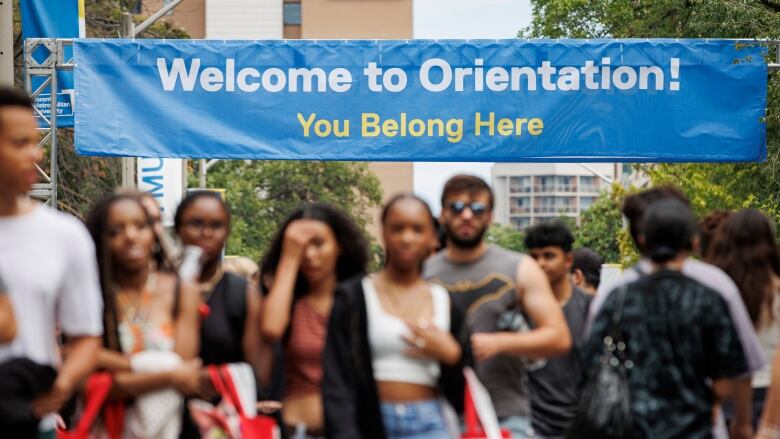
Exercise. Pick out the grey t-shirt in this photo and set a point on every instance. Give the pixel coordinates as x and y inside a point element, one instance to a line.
<point>485,290</point>
<point>555,385</point>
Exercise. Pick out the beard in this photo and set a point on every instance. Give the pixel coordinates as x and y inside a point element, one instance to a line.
<point>466,243</point>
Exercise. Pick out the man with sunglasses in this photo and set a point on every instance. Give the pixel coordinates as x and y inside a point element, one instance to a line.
<point>501,292</point>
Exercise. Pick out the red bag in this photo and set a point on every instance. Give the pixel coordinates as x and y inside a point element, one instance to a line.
<point>95,393</point>
<point>472,423</point>
<point>257,427</point>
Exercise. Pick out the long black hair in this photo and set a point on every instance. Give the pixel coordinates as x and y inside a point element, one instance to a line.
<point>352,260</point>
<point>97,224</point>
<point>669,227</point>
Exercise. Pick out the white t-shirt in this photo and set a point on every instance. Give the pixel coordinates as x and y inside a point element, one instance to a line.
<point>48,265</point>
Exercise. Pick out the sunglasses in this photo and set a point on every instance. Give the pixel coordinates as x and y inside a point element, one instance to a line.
<point>477,208</point>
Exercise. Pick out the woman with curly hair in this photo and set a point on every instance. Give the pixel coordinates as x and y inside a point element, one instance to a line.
<point>316,247</point>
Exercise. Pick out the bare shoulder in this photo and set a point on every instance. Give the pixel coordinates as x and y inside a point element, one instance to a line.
<point>528,271</point>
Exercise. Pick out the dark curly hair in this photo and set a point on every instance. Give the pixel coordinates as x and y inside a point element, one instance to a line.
<point>745,247</point>
<point>549,234</point>
<point>352,260</point>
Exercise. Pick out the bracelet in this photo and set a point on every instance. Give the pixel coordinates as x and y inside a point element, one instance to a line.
<point>768,431</point>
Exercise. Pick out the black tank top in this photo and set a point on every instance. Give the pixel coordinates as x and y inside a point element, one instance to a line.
<point>222,332</point>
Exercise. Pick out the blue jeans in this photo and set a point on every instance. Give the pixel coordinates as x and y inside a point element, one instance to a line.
<point>414,420</point>
<point>520,426</point>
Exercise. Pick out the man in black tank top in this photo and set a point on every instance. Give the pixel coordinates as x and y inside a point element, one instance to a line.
<point>500,292</point>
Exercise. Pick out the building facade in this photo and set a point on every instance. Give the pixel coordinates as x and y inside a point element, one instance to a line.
<point>529,193</point>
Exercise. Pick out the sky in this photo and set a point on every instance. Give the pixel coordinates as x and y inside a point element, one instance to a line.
<point>462,19</point>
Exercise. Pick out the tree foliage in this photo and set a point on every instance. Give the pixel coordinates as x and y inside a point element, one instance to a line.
<point>262,194</point>
<point>601,228</point>
<point>710,186</point>
<point>505,236</point>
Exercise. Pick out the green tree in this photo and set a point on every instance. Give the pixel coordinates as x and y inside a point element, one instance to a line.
<point>601,228</point>
<point>730,186</point>
<point>505,236</point>
<point>262,194</point>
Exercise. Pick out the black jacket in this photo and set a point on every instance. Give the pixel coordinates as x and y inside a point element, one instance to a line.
<point>21,381</point>
<point>349,391</point>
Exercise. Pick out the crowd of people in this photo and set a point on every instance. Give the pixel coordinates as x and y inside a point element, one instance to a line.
<point>681,345</point>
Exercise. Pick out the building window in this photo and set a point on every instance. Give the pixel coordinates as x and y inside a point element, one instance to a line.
<point>567,183</point>
<point>586,202</point>
<point>519,184</point>
<point>292,13</point>
<point>590,184</point>
<point>544,183</point>
<point>556,205</point>
<point>520,205</point>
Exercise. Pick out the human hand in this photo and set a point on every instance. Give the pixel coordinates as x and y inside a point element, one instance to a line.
<point>428,341</point>
<point>297,236</point>
<point>485,345</point>
<point>53,400</point>
<point>186,378</point>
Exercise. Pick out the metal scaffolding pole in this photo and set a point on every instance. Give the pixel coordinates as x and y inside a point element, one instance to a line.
<point>205,165</point>
<point>128,163</point>
<point>46,71</point>
<point>7,42</point>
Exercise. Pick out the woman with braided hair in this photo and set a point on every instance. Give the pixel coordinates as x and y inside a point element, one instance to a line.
<point>145,310</point>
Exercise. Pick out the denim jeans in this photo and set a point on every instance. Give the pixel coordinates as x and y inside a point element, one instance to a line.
<point>520,426</point>
<point>414,420</point>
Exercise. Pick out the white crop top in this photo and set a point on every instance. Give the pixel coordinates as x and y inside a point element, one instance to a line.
<point>385,332</point>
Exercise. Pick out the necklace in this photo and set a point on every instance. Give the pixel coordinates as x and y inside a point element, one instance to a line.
<point>135,310</point>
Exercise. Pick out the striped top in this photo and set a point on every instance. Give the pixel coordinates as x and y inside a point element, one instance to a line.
<point>303,355</point>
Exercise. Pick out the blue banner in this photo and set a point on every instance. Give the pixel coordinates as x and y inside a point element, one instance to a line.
<point>54,19</point>
<point>419,100</point>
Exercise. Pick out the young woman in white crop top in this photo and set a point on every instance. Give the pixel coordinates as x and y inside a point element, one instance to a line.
<point>408,325</point>
<point>392,353</point>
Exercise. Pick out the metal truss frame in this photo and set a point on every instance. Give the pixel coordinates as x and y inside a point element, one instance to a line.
<point>47,70</point>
